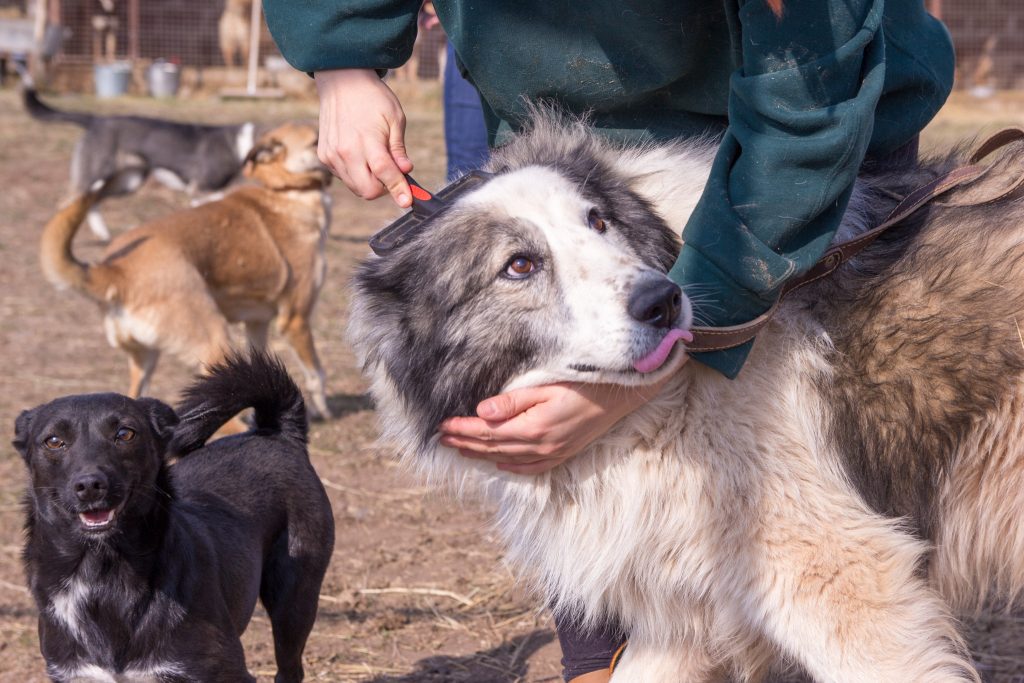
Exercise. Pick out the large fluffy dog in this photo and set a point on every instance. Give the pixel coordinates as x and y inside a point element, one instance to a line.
<point>862,479</point>
<point>174,284</point>
<point>145,571</point>
<point>184,156</point>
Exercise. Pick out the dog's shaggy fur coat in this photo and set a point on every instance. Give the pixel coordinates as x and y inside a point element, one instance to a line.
<point>861,481</point>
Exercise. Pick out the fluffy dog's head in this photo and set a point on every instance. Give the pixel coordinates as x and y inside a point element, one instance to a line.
<point>285,159</point>
<point>93,460</point>
<point>554,270</point>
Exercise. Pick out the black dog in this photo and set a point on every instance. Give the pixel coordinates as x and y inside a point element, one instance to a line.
<point>144,570</point>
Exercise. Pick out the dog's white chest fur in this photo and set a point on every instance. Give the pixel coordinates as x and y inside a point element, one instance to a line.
<point>68,608</point>
<point>90,673</point>
<point>67,605</point>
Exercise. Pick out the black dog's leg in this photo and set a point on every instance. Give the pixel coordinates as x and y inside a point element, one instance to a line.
<point>290,591</point>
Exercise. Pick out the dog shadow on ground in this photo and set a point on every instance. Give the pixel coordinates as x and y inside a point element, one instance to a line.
<point>503,664</point>
<point>346,404</point>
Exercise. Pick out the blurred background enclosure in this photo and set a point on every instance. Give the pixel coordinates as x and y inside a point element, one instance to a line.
<point>209,42</point>
<point>214,37</point>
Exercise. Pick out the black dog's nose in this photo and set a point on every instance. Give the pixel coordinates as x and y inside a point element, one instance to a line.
<point>91,487</point>
<point>656,302</point>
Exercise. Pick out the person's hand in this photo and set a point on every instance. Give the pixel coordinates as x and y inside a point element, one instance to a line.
<point>362,134</point>
<point>529,431</point>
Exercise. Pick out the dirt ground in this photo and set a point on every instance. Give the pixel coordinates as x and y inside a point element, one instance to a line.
<point>416,590</point>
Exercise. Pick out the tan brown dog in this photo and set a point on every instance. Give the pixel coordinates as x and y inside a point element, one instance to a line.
<point>175,284</point>
<point>233,32</point>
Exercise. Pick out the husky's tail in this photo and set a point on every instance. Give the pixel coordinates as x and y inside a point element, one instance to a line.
<point>59,264</point>
<point>42,112</point>
<point>259,382</point>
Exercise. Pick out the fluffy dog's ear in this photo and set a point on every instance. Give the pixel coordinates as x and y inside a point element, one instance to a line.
<point>162,418</point>
<point>21,429</point>
<point>264,152</point>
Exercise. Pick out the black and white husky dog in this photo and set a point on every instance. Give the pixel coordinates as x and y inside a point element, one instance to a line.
<point>858,485</point>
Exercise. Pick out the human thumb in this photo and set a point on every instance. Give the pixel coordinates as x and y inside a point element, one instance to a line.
<point>396,145</point>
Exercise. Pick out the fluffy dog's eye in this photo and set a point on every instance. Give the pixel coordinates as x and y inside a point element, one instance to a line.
<point>519,267</point>
<point>53,443</point>
<point>124,434</point>
<point>595,222</point>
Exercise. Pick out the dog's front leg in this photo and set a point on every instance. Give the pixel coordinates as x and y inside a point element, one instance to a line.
<point>842,595</point>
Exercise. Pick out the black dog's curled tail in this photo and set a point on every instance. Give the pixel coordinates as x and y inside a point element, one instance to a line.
<point>260,382</point>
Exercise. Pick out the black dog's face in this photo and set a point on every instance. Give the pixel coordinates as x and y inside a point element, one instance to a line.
<point>93,459</point>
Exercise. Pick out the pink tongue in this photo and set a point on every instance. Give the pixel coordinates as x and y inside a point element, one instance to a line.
<point>656,358</point>
<point>97,516</point>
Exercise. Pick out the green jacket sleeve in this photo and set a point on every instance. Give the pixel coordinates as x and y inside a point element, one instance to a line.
<point>801,113</point>
<point>316,35</point>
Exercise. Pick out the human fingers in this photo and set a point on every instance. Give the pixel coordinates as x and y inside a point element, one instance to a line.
<point>511,403</point>
<point>486,448</point>
<point>488,431</point>
<point>362,131</point>
<point>343,153</point>
<point>389,176</point>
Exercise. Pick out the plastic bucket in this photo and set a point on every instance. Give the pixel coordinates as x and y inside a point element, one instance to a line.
<point>112,79</point>
<point>163,79</point>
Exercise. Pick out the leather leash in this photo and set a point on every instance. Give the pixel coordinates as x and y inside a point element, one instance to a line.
<point>727,337</point>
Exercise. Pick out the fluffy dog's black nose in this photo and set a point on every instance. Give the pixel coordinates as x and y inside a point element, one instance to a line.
<point>656,302</point>
<point>91,487</point>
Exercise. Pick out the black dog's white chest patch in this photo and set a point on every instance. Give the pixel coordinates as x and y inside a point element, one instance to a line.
<point>96,674</point>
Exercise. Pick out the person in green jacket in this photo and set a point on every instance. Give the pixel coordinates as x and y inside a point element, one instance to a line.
<point>801,94</point>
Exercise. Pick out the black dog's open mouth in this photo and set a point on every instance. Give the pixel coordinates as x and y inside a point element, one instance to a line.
<point>99,519</point>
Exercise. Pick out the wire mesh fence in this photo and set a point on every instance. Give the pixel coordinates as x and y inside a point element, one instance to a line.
<point>988,34</point>
<point>188,32</point>
<point>989,40</point>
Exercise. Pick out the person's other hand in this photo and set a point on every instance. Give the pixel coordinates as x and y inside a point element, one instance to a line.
<point>529,431</point>
<point>362,134</point>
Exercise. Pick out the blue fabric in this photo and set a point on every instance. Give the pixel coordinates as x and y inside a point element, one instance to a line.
<point>586,650</point>
<point>465,133</point>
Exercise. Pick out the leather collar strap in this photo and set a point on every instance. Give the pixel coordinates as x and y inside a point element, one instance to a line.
<point>721,338</point>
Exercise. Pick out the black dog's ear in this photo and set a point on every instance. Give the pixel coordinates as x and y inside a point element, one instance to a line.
<point>21,428</point>
<point>162,418</point>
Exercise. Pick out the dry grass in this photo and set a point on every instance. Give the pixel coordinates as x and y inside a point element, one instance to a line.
<point>416,590</point>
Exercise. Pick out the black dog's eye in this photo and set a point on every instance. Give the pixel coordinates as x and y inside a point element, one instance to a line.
<point>124,434</point>
<point>520,267</point>
<point>595,222</point>
<point>53,443</point>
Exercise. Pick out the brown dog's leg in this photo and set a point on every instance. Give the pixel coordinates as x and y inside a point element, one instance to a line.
<point>298,334</point>
<point>256,334</point>
<point>141,363</point>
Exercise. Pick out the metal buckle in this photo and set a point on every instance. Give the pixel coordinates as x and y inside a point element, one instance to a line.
<point>424,207</point>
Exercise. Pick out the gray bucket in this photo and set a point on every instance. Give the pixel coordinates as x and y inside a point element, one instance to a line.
<point>112,79</point>
<point>163,79</point>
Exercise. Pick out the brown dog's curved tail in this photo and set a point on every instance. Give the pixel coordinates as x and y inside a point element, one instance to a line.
<point>260,382</point>
<point>59,264</point>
